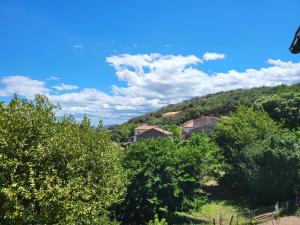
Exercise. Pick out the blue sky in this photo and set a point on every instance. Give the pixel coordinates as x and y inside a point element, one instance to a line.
<point>116,59</point>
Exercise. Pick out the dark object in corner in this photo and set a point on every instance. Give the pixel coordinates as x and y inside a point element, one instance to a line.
<point>295,46</point>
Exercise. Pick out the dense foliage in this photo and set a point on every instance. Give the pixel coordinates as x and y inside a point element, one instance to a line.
<point>55,172</point>
<point>264,158</point>
<point>165,174</point>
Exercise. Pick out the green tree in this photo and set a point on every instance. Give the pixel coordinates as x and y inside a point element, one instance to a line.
<point>122,132</point>
<point>241,129</point>
<point>55,172</point>
<point>163,174</point>
<point>264,158</point>
<point>271,167</point>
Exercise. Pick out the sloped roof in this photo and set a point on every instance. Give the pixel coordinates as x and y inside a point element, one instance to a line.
<point>200,122</point>
<point>145,127</point>
<point>162,131</point>
<point>154,132</point>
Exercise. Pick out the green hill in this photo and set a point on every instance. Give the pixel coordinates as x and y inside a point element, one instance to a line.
<point>218,104</point>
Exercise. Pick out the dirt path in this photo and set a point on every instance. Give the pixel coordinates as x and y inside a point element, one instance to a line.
<point>289,220</point>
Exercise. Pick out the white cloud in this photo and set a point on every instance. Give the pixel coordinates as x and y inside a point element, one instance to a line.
<point>212,56</point>
<point>23,86</point>
<point>53,78</point>
<point>170,79</point>
<point>152,81</point>
<point>65,87</point>
<point>78,46</point>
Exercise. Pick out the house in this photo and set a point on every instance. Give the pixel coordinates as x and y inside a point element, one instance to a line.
<point>204,123</point>
<point>145,131</point>
<point>141,129</point>
<point>172,114</point>
<point>155,132</point>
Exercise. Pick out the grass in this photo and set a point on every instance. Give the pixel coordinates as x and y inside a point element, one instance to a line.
<point>221,204</point>
<point>217,209</point>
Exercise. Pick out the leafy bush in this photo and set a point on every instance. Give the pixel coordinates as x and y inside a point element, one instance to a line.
<point>157,221</point>
<point>196,203</point>
<point>55,172</point>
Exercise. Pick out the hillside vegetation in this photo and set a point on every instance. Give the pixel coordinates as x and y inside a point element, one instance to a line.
<point>219,104</point>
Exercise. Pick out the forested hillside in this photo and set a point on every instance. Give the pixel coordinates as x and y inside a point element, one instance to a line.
<point>219,104</point>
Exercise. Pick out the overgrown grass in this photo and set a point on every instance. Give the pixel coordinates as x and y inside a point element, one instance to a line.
<point>223,209</point>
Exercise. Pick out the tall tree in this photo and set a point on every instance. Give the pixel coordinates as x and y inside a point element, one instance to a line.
<point>264,158</point>
<point>55,172</point>
<point>163,174</point>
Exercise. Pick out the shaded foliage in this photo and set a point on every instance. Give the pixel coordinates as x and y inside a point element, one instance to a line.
<point>264,158</point>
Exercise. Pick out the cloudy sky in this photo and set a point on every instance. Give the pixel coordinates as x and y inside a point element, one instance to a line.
<point>120,59</point>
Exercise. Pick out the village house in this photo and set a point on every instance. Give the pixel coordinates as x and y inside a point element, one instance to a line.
<point>204,123</point>
<point>154,133</point>
<point>146,131</point>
